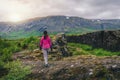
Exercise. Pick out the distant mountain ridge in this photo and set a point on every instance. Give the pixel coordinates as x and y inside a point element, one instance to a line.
<point>53,24</point>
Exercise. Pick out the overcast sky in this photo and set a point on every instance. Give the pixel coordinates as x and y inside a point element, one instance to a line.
<point>25,9</point>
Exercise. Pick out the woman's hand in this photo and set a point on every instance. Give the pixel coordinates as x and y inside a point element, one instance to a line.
<point>51,48</point>
<point>40,48</point>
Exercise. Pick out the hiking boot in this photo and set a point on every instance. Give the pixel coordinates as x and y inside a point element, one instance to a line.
<point>46,65</point>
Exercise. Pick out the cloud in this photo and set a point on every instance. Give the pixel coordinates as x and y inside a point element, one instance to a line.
<point>82,8</point>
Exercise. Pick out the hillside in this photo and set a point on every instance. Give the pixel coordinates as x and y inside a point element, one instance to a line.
<point>22,60</point>
<point>84,67</point>
<point>70,25</point>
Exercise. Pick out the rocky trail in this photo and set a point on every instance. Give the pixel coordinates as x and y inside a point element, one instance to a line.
<point>83,67</point>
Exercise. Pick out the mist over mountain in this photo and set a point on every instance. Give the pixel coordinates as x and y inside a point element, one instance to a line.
<point>57,24</point>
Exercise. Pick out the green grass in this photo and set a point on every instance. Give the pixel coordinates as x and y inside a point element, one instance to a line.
<point>75,31</point>
<point>82,49</point>
<point>22,34</point>
<point>17,71</point>
<point>7,49</point>
<point>26,34</point>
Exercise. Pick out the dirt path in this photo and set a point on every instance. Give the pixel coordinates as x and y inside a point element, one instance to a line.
<point>70,67</point>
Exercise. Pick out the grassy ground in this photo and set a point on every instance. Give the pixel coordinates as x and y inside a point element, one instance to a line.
<point>8,47</point>
<point>82,49</point>
<point>26,34</point>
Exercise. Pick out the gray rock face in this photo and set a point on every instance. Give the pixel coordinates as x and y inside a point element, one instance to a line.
<point>109,40</point>
<point>60,45</point>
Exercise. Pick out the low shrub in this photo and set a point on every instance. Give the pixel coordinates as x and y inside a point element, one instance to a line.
<point>16,71</point>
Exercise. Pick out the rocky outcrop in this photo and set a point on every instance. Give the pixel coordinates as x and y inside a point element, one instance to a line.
<point>78,68</point>
<point>109,40</point>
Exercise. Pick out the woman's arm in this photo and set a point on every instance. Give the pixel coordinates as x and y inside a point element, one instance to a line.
<point>41,43</point>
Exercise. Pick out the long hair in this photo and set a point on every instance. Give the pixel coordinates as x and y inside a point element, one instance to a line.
<point>45,34</point>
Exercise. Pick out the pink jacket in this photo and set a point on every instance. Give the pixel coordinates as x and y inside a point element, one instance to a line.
<point>45,43</point>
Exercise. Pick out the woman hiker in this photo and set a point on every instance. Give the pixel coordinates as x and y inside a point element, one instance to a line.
<point>45,45</point>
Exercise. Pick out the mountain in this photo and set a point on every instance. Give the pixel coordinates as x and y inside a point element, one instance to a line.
<point>55,24</point>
